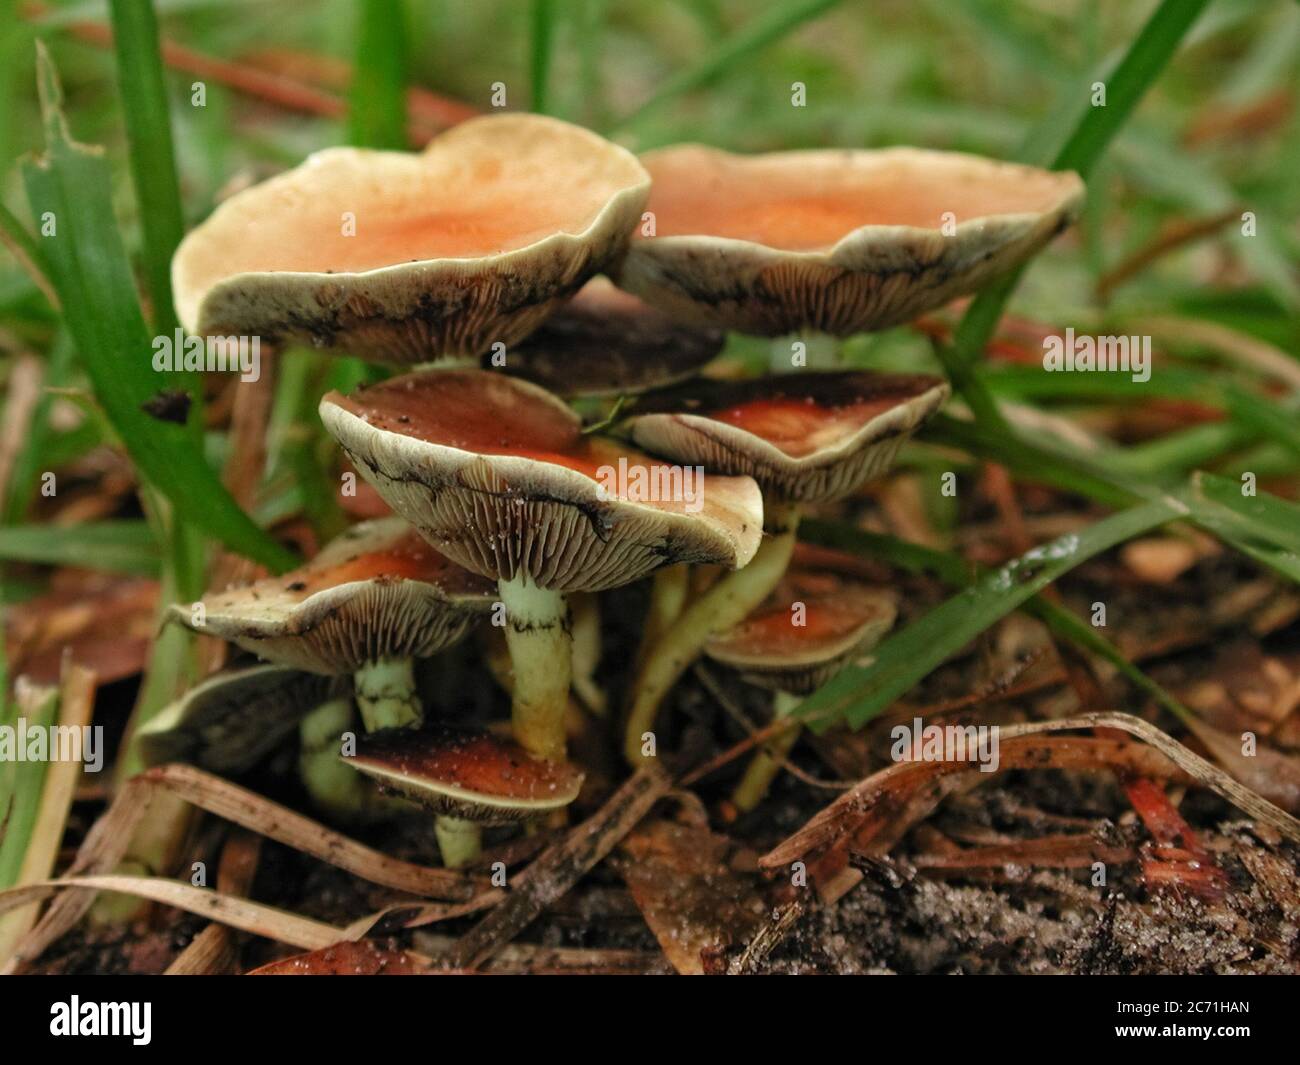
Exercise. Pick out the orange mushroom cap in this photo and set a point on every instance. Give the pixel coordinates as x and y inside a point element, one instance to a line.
<point>378,591</point>
<point>409,258</point>
<point>838,241</point>
<point>466,773</point>
<point>806,633</point>
<point>804,437</point>
<point>497,473</point>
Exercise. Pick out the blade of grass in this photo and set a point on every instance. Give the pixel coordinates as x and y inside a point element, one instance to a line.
<point>153,159</point>
<point>38,706</point>
<point>22,246</point>
<point>954,570</point>
<point>1266,542</point>
<point>860,693</point>
<point>1148,55</point>
<point>541,24</point>
<point>377,98</point>
<point>760,32</point>
<point>112,546</point>
<point>89,268</point>
<point>75,702</point>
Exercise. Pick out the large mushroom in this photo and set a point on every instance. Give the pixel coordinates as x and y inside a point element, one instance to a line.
<point>835,241</point>
<point>411,258</point>
<point>805,438</point>
<point>498,475</point>
<point>813,626</point>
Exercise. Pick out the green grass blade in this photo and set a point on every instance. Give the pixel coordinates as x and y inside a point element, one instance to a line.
<point>28,783</point>
<point>377,99</point>
<point>113,546</point>
<point>1149,54</point>
<point>917,558</point>
<point>153,158</point>
<point>1141,65</point>
<point>88,266</point>
<point>541,33</point>
<point>860,693</point>
<point>756,35</point>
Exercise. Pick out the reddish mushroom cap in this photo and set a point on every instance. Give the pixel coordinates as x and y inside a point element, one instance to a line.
<point>377,591</point>
<point>804,437</point>
<point>412,257</point>
<point>605,342</point>
<point>497,473</point>
<point>840,621</point>
<point>837,241</point>
<point>466,773</point>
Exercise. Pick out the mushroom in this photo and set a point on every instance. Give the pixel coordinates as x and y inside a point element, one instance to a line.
<point>792,645</point>
<point>805,438</point>
<point>375,598</point>
<point>498,475</point>
<point>606,342</point>
<point>410,258</point>
<point>833,240</point>
<point>468,776</point>
<point>230,721</point>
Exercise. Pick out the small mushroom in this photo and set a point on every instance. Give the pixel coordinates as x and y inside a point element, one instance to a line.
<point>606,342</point>
<point>467,774</point>
<point>410,258</point>
<point>805,438</point>
<point>498,475</point>
<point>375,598</point>
<point>792,645</point>
<point>232,720</point>
<point>835,241</point>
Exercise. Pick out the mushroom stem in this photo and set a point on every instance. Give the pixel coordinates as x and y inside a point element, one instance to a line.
<point>459,841</point>
<point>586,652</point>
<point>726,603</point>
<point>766,764</point>
<point>386,694</point>
<point>669,589</point>
<point>541,654</point>
<point>333,785</point>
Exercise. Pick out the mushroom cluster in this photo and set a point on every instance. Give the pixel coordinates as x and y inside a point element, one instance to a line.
<point>516,261</point>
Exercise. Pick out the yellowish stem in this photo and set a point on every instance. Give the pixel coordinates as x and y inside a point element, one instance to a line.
<point>541,651</point>
<point>765,765</point>
<point>727,603</point>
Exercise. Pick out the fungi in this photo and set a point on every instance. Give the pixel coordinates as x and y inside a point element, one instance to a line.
<point>498,475</point>
<point>410,258</point>
<point>805,438</point>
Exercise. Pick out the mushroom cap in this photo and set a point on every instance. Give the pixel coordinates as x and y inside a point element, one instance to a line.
<point>605,342</point>
<point>841,621</point>
<point>806,437</point>
<point>497,474</point>
<point>470,242</point>
<point>228,723</point>
<point>839,241</point>
<point>377,591</point>
<point>465,773</point>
